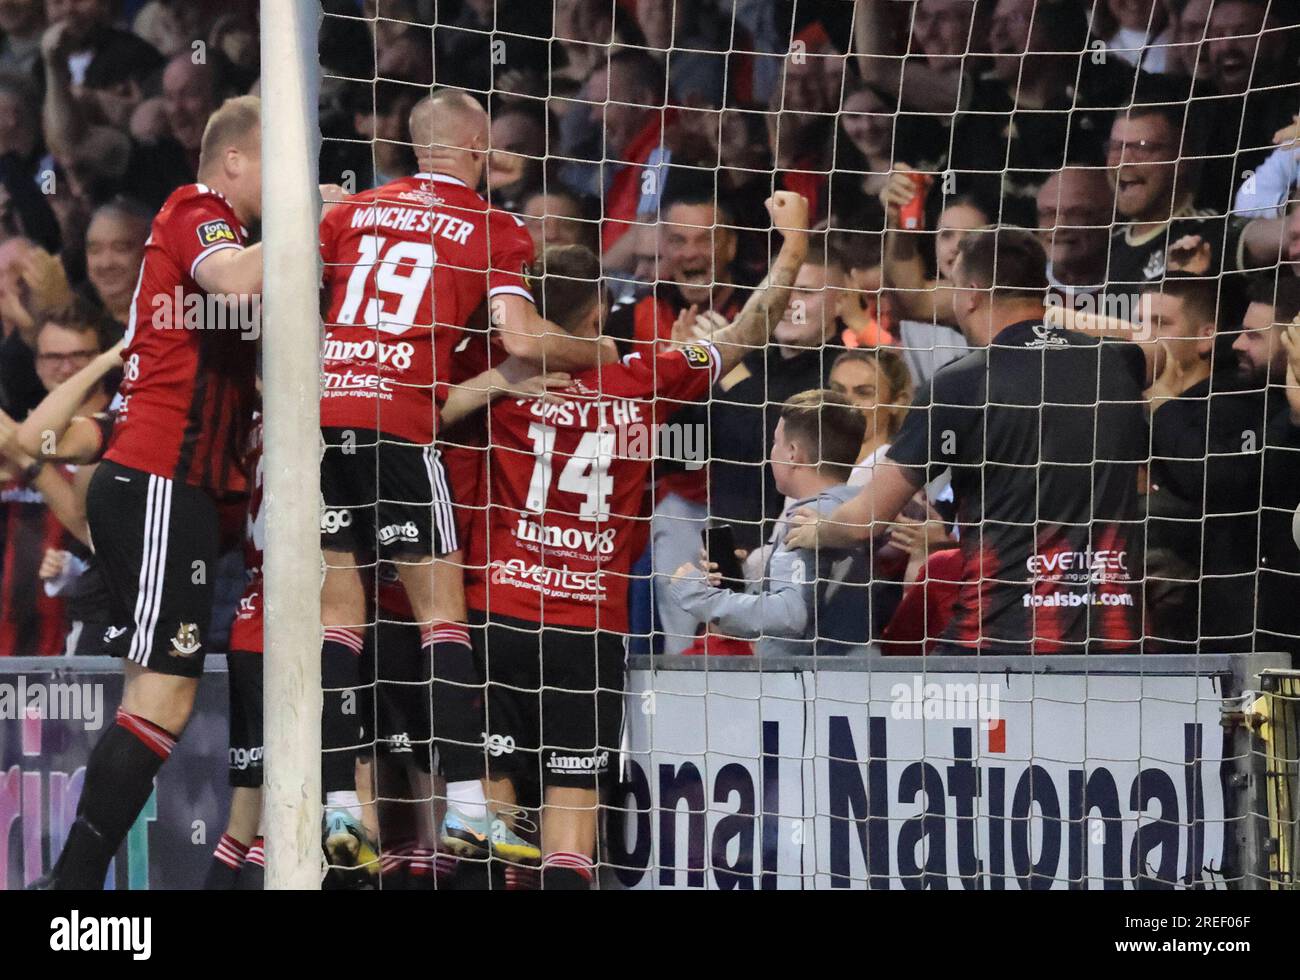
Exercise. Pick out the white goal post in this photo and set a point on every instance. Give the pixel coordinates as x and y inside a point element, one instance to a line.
<point>291,414</point>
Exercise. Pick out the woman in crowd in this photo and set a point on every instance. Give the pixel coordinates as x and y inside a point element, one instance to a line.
<point>878,382</point>
<point>923,302</point>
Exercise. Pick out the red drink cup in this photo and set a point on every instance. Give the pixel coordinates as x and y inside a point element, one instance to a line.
<point>911,216</point>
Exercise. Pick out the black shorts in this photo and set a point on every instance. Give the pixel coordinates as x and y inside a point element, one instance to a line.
<point>554,701</point>
<point>245,670</point>
<point>384,497</point>
<point>156,541</point>
<point>403,691</point>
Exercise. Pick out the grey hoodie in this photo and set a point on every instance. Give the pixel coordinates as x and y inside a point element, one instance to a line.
<point>805,604</point>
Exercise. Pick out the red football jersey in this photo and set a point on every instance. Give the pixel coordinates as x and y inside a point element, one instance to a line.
<point>246,630</point>
<point>406,265</point>
<point>567,490</point>
<point>188,379</point>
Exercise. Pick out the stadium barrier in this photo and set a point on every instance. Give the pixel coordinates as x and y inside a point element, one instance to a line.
<point>946,772</point>
<point>42,765</point>
<point>899,772</point>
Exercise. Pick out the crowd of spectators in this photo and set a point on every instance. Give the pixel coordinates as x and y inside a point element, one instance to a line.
<point>102,106</point>
<point>1151,144</point>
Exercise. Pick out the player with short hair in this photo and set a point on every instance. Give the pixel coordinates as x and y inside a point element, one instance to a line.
<point>407,266</point>
<point>566,511</point>
<point>174,460</point>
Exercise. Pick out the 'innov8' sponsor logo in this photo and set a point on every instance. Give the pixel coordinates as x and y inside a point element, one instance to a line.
<point>399,532</point>
<point>398,355</point>
<point>575,539</point>
<point>577,764</point>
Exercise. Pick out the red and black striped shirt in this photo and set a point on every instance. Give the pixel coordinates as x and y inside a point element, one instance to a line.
<point>1044,431</point>
<point>187,394</point>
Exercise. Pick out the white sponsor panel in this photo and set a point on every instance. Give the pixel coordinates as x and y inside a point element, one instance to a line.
<point>840,779</point>
<point>714,777</point>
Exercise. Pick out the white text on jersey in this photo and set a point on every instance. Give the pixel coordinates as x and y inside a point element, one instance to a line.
<point>416,220</point>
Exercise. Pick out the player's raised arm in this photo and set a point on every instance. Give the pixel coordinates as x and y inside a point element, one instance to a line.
<point>766,305</point>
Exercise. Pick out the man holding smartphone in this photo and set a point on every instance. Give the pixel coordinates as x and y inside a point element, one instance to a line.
<point>807,603</point>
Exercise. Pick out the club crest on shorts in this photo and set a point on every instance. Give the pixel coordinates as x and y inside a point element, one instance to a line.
<point>186,641</point>
<point>212,232</point>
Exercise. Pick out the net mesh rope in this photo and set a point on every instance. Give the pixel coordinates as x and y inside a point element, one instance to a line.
<point>731,777</point>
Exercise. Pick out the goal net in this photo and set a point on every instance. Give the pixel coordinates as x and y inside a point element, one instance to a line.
<point>938,543</point>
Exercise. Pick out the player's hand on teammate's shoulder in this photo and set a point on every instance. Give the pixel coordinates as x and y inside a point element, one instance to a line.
<point>330,194</point>
<point>608,351</point>
<point>789,211</point>
<point>544,387</point>
<point>109,358</point>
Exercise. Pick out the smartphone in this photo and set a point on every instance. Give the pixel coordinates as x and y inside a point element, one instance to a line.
<point>720,545</point>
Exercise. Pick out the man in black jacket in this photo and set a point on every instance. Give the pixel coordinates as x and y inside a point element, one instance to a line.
<point>1203,484</point>
<point>1268,352</point>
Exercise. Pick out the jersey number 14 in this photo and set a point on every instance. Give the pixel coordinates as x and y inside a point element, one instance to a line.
<point>586,473</point>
